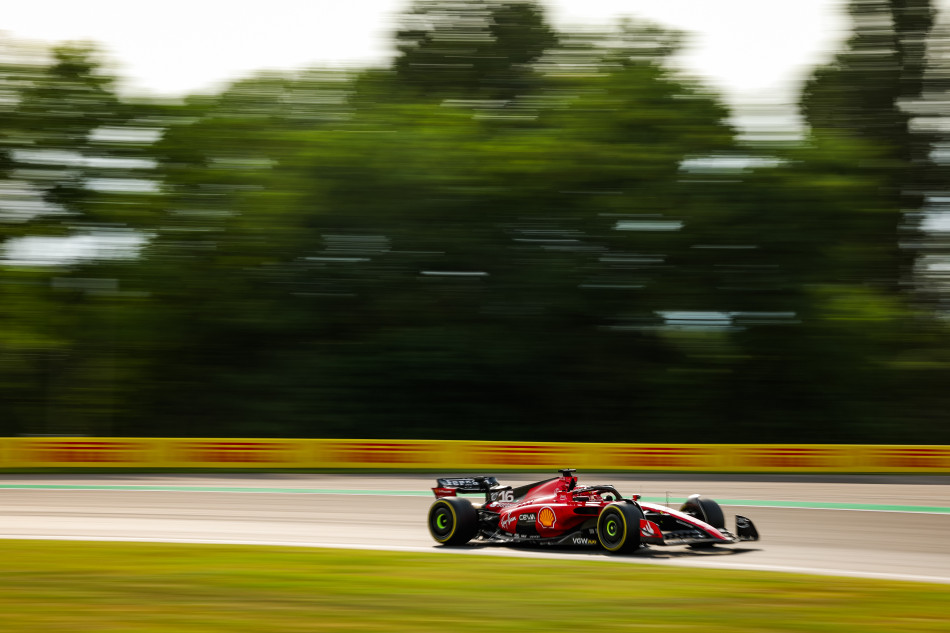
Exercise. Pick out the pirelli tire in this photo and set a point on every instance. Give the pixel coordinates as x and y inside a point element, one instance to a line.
<point>705,510</point>
<point>453,521</point>
<point>618,528</point>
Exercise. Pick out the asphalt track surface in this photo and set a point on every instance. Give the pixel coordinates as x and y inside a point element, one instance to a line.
<point>877,527</point>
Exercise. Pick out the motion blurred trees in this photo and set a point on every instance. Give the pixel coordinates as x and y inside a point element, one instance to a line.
<point>870,92</point>
<point>475,49</point>
<point>509,233</point>
<point>875,93</point>
<point>69,173</point>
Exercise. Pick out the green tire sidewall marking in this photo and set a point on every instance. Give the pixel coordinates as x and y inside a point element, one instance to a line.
<point>611,511</point>
<point>443,539</point>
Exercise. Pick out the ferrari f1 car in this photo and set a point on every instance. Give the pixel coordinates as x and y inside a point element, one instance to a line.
<point>558,511</point>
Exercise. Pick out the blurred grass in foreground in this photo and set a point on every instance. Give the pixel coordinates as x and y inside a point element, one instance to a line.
<point>77,587</point>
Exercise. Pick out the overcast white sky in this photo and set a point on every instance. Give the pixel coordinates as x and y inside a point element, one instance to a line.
<point>750,49</point>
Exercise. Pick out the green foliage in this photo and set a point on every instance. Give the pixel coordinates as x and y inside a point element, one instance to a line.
<point>476,49</point>
<point>553,236</point>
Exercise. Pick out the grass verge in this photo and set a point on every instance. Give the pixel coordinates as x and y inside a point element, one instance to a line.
<point>83,587</point>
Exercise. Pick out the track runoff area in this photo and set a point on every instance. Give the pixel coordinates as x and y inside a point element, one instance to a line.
<point>873,527</point>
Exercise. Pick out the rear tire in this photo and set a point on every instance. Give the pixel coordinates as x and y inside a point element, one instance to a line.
<point>453,521</point>
<point>618,528</point>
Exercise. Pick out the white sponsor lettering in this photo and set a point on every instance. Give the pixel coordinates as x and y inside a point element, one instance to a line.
<point>461,483</point>
<point>507,520</point>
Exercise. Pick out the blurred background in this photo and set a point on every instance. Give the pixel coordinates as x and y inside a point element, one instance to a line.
<point>489,219</point>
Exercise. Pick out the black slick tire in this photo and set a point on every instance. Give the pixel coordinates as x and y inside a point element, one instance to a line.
<point>453,521</point>
<point>705,510</point>
<point>618,528</point>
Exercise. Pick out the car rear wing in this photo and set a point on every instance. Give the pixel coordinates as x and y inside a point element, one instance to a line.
<point>452,486</point>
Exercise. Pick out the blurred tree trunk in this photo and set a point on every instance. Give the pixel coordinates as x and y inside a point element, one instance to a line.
<point>869,92</point>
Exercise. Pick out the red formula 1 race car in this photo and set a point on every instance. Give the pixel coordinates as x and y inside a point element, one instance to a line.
<point>559,512</point>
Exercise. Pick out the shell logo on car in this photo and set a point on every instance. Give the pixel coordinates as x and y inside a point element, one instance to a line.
<point>546,517</point>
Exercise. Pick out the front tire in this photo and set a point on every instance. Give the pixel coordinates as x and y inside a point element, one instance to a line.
<point>453,521</point>
<point>705,510</point>
<point>618,528</point>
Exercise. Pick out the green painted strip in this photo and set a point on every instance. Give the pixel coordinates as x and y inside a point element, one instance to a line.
<point>824,505</point>
<point>814,505</point>
<point>304,491</point>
